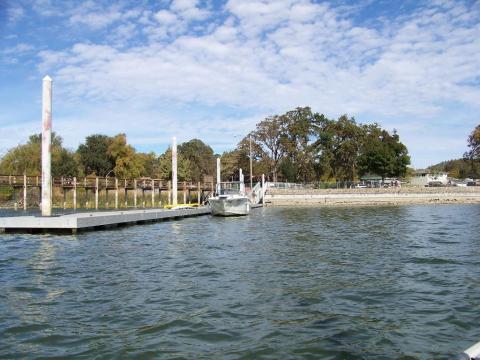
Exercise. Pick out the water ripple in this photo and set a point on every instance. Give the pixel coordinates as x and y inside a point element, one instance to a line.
<point>302,283</point>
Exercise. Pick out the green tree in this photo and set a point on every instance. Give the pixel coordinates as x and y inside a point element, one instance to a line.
<point>383,154</point>
<point>26,158</point>
<point>230,163</point>
<point>200,157</point>
<point>184,166</point>
<point>337,147</point>
<point>94,156</point>
<point>297,132</point>
<point>268,137</point>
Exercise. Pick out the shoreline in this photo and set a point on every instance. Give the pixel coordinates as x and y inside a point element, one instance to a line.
<point>365,197</point>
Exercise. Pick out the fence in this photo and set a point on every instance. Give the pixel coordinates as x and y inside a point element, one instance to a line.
<point>94,192</point>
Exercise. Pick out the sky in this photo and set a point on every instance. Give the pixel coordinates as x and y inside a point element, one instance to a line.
<point>213,69</point>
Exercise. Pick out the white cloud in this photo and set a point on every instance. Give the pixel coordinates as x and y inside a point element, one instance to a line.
<point>269,56</point>
<point>15,12</point>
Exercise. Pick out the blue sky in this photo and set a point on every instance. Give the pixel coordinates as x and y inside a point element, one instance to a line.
<point>213,69</point>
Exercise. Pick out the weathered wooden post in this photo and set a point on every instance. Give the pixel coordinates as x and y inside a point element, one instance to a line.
<point>96,193</point>
<point>199,193</point>
<point>135,193</point>
<point>74,193</point>
<point>126,192</point>
<point>25,192</point>
<point>106,192</point>
<point>174,171</point>
<point>86,192</point>
<point>160,193</point>
<point>116,193</point>
<point>143,194</point>
<point>62,184</point>
<point>15,203</point>
<point>47,146</point>
<point>153,193</point>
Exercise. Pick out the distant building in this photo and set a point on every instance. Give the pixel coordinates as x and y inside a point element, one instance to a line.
<point>425,177</point>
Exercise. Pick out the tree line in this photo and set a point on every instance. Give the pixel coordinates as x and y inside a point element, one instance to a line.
<point>303,146</point>
<point>102,155</point>
<point>298,146</point>
<point>469,165</point>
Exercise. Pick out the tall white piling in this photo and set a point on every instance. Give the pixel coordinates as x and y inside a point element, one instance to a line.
<point>47,146</point>
<point>242,183</point>
<point>174,171</point>
<point>25,192</point>
<point>263,189</point>
<point>218,175</point>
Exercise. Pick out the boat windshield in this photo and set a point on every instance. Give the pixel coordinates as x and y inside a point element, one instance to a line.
<point>228,188</point>
<point>229,191</point>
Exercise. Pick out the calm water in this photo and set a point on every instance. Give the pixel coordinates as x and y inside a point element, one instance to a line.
<point>313,283</point>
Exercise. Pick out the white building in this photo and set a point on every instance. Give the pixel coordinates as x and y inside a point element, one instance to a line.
<point>424,178</point>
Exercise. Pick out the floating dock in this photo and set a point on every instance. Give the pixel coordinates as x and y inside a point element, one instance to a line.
<point>73,223</point>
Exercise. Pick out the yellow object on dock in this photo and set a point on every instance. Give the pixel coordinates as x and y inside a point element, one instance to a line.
<point>181,205</point>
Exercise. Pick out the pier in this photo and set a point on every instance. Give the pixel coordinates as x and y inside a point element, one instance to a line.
<point>74,223</point>
<point>106,192</point>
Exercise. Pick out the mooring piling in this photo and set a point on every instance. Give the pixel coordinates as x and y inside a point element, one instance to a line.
<point>174,172</point>
<point>47,146</point>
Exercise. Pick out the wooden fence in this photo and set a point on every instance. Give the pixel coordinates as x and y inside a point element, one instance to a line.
<point>135,193</point>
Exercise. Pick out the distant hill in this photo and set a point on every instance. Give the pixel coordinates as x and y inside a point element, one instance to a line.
<point>458,168</point>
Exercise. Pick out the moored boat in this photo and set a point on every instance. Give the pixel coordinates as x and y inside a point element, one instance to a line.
<point>230,198</point>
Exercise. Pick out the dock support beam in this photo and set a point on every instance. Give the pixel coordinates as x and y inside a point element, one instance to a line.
<point>25,192</point>
<point>116,193</point>
<point>96,193</point>
<point>47,146</point>
<point>153,193</point>
<point>184,192</point>
<point>174,171</point>
<point>169,193</point>
<point>135,193</point>
<point>199,194</point>
<point>74,193</point>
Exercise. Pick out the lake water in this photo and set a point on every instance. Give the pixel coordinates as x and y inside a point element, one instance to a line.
<point>282,283</point>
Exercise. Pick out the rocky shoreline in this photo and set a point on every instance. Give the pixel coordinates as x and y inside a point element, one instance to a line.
<point>377,196</point>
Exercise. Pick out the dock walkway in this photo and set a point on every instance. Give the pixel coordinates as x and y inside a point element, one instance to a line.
<point>76,222</point>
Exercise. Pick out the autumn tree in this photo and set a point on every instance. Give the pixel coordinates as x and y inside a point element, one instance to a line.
<point>474,144</point>
<point>128,164</point>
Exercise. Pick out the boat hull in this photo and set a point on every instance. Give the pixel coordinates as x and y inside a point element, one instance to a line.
<point>230,206</point>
